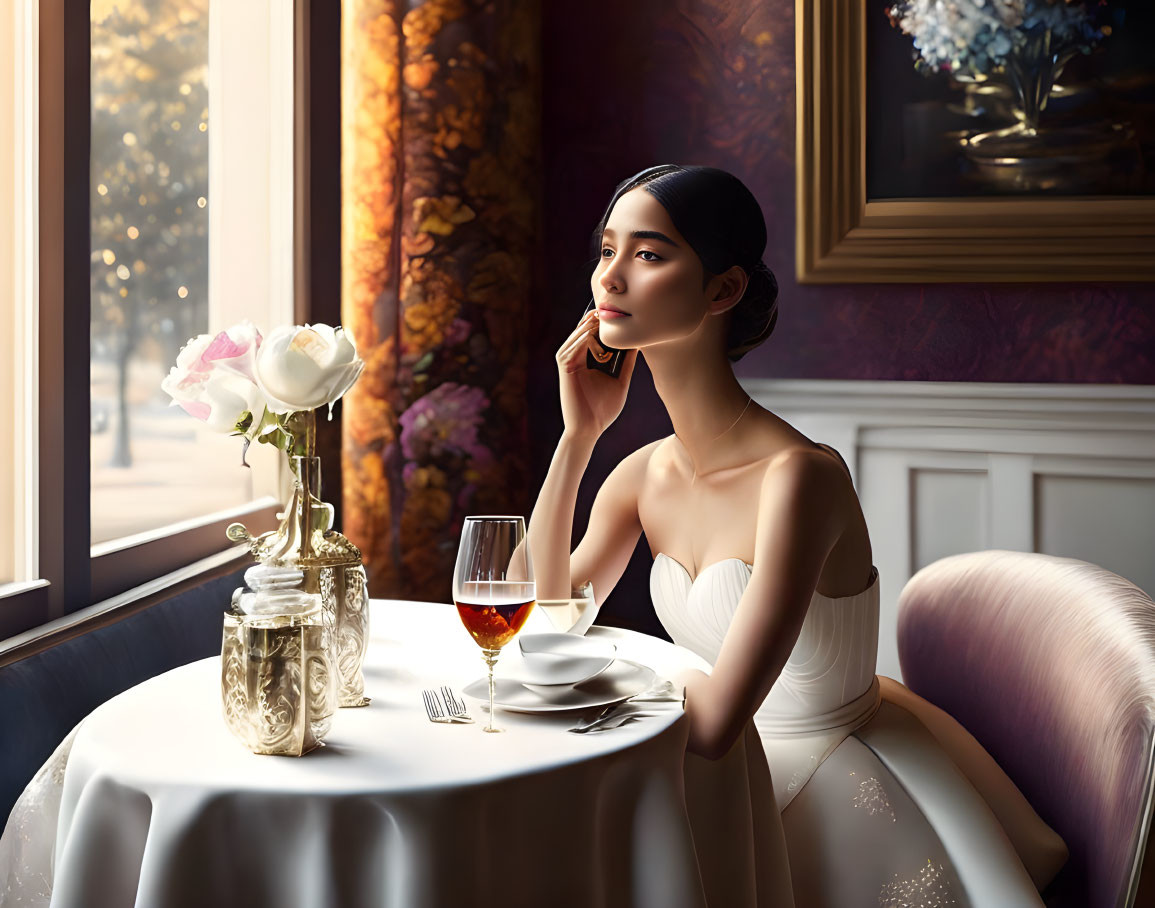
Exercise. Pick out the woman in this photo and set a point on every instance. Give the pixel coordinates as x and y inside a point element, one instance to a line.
<point>762,565</point>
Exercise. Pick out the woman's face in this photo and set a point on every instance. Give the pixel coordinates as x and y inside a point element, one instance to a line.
<point>648,271</point>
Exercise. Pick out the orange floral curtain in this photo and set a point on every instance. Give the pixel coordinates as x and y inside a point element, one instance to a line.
<point>440,172</point>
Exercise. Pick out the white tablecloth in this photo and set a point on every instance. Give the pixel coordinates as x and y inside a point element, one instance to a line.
<point>163,808</point>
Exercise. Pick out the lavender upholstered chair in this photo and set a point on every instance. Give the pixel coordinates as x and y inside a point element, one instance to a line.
<point>1050,664</point>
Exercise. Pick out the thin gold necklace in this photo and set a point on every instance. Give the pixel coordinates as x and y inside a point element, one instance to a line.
<point>749,400</point>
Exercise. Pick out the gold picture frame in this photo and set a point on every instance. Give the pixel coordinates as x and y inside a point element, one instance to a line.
<point>843,237</point>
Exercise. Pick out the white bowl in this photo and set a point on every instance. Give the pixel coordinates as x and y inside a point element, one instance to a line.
<point>557,660</point>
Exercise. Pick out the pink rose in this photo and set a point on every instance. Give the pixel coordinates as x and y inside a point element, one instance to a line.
<point>213,378</point>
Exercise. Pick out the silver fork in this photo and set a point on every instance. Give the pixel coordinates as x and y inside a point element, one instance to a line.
<point>455,707</point>
<point>434,709</point>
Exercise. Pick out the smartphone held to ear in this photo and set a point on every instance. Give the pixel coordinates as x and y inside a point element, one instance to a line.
<point>603,358</point>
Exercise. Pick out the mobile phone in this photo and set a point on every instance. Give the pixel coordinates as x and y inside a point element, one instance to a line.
<point>607,359</point>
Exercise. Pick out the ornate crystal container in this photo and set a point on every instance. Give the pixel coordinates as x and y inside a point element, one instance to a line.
<point>278,689</point>
<point>332,569</point>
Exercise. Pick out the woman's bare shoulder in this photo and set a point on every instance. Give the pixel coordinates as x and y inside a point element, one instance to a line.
<point>653,454</point>
<point>806,473</point>
<point>651,469</point>
<point>645,454</point>
<point>665,460</point>
<point>635,466</point>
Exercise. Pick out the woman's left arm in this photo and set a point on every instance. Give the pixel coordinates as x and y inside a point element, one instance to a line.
<point>800,519</point>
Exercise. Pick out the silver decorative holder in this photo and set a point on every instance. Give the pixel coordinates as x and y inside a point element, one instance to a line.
<point>332,569</point>
<point>278,687</point>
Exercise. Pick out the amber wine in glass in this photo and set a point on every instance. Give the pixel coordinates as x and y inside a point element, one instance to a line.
<point>493,586</point>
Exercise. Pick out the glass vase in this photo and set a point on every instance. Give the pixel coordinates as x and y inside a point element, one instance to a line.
<point>332,569</point>
<point>1031,155</point>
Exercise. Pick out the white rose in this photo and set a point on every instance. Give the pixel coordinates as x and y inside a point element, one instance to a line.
<point>302,368</point>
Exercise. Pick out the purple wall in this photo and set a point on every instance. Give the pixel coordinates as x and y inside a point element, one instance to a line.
<point>627,85</point>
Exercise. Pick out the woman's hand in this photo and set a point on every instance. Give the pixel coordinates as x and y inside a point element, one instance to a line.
<point>590,400</point>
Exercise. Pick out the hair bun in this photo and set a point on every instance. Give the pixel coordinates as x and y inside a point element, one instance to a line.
<point>755,314</point>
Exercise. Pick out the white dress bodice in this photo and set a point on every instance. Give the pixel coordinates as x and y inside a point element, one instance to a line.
<point>827,687</point>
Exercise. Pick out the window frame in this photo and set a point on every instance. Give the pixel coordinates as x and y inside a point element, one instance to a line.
<point>77,583</point>
<point>17,260</point>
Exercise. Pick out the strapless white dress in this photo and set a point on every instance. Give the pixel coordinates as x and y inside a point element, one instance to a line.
<point>875,810</point>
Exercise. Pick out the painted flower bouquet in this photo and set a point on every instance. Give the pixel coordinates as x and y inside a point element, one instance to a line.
<point>1024,44</point>
<point>974,38</point>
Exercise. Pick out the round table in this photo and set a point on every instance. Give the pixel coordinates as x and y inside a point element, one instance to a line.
<point>163,807</point>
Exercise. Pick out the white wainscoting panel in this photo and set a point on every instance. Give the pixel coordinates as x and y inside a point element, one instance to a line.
<point>950,512</point>
<point>1107,520</point>
<point>944,467</point>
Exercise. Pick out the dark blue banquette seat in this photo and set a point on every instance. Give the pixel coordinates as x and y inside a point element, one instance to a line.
<point>44,695</point>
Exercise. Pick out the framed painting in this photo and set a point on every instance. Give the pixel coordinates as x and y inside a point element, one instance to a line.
<point>975,158</point>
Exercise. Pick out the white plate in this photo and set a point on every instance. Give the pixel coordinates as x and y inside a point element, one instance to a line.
<point>622,680</point>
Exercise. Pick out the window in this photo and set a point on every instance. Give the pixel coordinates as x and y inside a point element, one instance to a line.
<point>151,464</point>
<point>147,195</point>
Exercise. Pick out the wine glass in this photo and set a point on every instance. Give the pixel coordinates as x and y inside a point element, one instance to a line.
<point>493,586</point>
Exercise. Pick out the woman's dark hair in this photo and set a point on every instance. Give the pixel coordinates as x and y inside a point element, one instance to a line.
<point>723,223</point>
